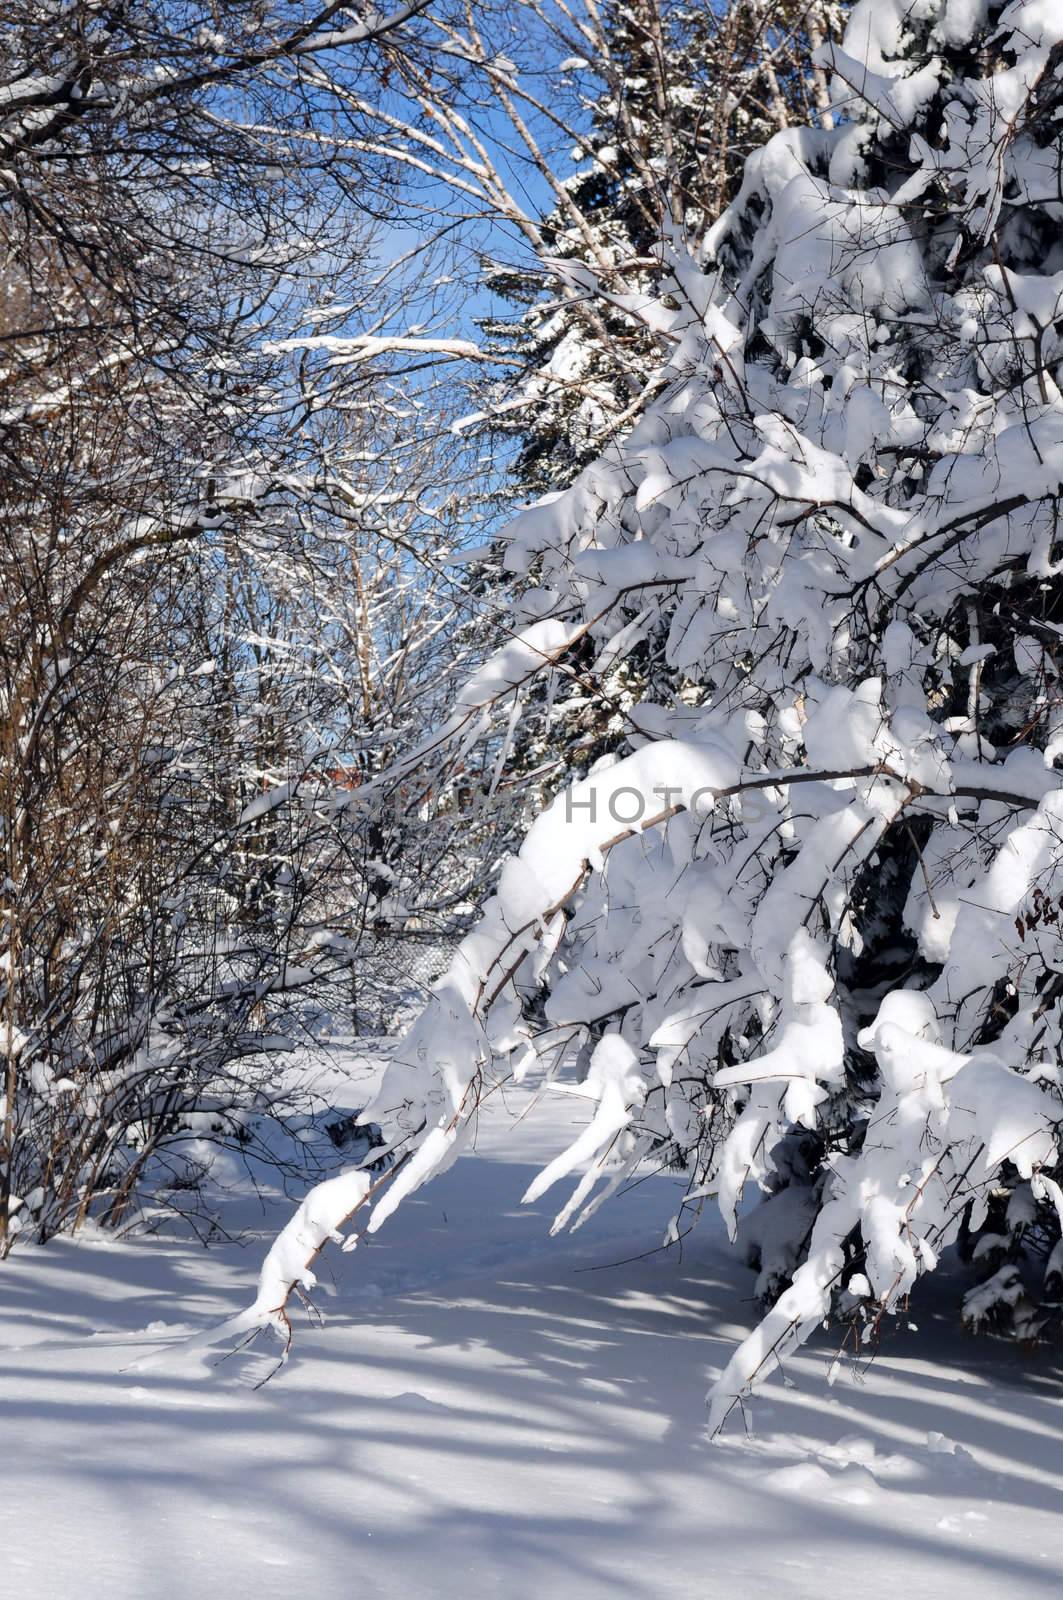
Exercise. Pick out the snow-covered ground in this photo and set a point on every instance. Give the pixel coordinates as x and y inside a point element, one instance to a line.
<point>487,1411</point>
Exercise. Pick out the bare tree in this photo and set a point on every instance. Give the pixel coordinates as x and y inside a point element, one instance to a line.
<point>176,194</point>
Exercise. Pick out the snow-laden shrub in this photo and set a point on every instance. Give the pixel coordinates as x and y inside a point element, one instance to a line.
<point>801,934</point>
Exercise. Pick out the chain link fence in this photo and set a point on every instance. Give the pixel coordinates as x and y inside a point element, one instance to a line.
<point>392,978</point>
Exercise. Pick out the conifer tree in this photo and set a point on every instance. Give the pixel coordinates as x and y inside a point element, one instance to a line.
<point>798,933</point>
<point>673,97</point>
